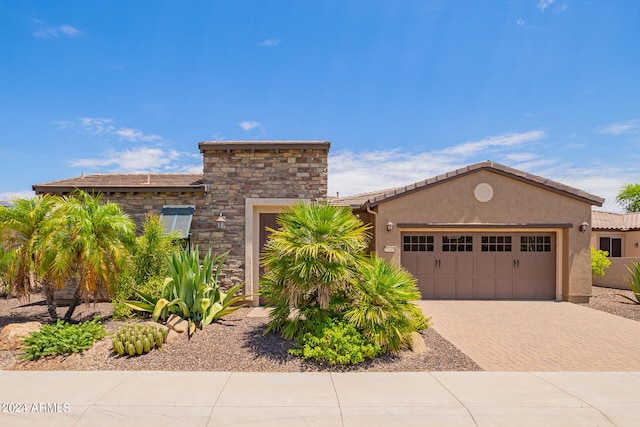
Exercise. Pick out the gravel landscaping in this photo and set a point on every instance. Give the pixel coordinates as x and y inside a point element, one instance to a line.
<point>237,343</point>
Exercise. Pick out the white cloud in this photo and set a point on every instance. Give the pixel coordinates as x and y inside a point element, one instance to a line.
<point>269,43</point>
<point>98,126</point>
<point>543,4</point>
<point>360,172</point>
<point>45,31</point>
<point>506,140</point>
<point>630,126</point>
<point>141,159</point>
<point>351,172</point>
<point>249,125</point>
<point>520,22</point>
<point>561,8</point>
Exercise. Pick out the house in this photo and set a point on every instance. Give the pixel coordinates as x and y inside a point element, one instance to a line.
<point>619,235</point>
<point>485,231</point>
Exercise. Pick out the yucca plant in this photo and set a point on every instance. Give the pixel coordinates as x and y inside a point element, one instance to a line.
<point>309,262</point>
<point>192,291</point>
<point>634,283</point>
<point>382,304</point>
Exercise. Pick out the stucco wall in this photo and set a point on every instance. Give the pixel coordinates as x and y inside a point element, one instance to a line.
<point>513,202</point>
<point>616,275</point>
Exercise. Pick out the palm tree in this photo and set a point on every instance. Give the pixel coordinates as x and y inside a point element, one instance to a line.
<point>309,261</point>
<point>85,244</point>
<point>382,304</point>
<point>20,232</point>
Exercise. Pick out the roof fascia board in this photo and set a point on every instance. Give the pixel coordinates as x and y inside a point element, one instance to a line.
<point>41,189</point>
<point>264,146</point>
<point>482,225</point>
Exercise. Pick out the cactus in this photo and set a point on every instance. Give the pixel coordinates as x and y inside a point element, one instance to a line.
<point>134,340</point>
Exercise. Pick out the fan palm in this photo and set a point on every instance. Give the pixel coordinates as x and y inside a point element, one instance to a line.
<point>309,261</point>
<point>382,304</point>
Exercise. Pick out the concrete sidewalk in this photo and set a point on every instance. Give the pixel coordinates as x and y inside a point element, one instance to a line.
<point>102,398</point>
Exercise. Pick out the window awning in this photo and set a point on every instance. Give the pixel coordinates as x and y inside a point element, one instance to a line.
<point>177,219</point>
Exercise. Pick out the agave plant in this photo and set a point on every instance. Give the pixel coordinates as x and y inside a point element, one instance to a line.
<point>634,282</point>
<point>191,292</point>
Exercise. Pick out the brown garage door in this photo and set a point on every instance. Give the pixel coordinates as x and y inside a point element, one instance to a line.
<point>482,265</point>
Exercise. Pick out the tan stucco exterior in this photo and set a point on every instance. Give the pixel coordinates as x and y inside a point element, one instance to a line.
<point>516,205</point>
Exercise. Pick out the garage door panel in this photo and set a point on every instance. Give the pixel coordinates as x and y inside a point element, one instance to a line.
<point>482,265</point>
<point>464,287</point>
<point>504,288</point>
<point>485,288</point>
<point>445,287</point>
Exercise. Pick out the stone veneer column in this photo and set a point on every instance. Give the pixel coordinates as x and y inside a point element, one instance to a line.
<point>237,170</point>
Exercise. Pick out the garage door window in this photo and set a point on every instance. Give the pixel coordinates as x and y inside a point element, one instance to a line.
<point>535,244</point>
<point>496,244</point>
<point>457,244</point>
<point>418,243</point>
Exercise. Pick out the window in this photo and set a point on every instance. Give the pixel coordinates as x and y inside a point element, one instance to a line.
<point>496,244</point>
<point>177,219</point>
<point>417,243</point>
<point>535,243</point>
<point>613,245</point>
<point>457,244</point>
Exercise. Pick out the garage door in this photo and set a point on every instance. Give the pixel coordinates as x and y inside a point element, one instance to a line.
<point>482,265</point>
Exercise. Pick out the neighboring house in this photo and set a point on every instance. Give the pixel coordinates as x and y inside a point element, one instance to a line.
<point>484,231</point>
<point>619,235</point>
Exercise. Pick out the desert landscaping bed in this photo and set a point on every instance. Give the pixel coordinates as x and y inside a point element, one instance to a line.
<point>237,343</point>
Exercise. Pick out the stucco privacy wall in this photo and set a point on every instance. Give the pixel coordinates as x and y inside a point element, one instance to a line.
<point>515,206</point>
<point>241,170</point>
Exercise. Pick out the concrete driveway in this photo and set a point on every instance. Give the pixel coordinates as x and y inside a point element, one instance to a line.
<point>537,335</point>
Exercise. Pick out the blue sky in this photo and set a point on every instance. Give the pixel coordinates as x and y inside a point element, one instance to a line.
<point>404,90</point>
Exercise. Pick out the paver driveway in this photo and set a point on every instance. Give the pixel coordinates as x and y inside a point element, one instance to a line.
<point>537,335</point>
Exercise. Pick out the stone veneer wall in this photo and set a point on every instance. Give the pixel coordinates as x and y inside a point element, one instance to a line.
<point>138,205</point>
<point>237,174</point>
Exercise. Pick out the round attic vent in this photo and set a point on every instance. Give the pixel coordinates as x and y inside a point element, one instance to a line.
<point>483,192</point>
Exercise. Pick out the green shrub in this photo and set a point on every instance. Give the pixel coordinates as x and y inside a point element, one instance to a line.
<point>62,338</point>
<point>634,282</point>
<point>382,304</point>
<point>135,339</point>
<point>126,291</point>
<point>148,268</point>
<point>599,261</point>
<point>336,342</point>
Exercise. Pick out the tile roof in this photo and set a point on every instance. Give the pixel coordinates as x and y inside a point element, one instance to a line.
<point>375,198</point>
<point>125,182</point>
<point>615,221</point>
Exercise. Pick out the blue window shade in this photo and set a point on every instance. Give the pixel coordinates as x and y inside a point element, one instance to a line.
<point>177,219</point>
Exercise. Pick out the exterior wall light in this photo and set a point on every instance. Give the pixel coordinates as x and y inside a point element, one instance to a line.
<point>583,227</point>
<point>389,226</point>
<point>221,221</point>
